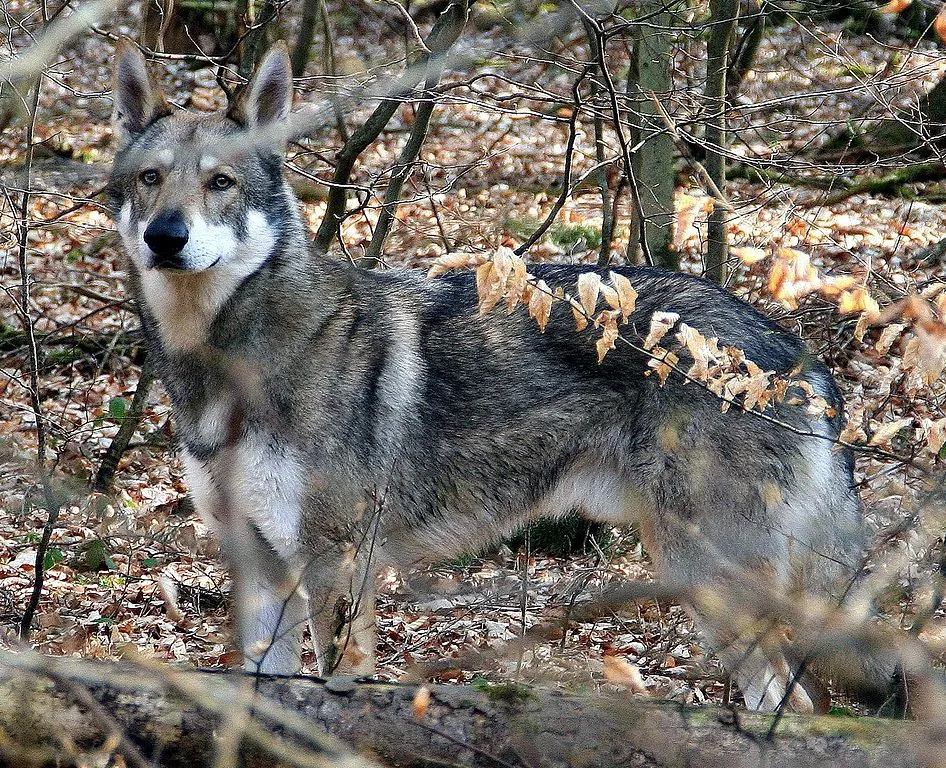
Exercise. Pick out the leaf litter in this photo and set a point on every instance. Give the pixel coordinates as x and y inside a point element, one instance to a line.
<point>158,589</point>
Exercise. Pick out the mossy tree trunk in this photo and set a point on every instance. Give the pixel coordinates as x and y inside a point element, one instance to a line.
<point>724,17</point>
<point>161,717</point>
<point>649,81</point>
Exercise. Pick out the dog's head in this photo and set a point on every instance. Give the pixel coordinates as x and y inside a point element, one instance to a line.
<point>192,193</point>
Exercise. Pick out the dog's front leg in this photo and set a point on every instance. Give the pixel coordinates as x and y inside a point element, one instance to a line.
<point>340,585</point>
<point>270,619</point>
<point>267,597</point>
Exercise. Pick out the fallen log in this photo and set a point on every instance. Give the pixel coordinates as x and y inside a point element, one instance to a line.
<point>53,711</point>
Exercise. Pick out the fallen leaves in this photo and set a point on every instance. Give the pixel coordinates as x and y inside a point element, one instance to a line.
<point>421,702</point>
<point>622,673</point>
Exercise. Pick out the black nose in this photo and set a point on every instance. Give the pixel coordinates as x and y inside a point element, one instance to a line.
<point>166,236</point>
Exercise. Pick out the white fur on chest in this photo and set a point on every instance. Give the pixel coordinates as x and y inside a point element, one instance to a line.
<point>259,482</point>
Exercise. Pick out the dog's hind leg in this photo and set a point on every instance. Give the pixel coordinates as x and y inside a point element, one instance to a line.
<point>340,586</point>
<point>719,533</point>
<point>757,655</point>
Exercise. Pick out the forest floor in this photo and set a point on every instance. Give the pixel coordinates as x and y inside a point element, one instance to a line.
<point>135,572</point>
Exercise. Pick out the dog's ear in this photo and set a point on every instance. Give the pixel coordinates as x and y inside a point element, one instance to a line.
<point>268,97</point>
<point>137,102</point>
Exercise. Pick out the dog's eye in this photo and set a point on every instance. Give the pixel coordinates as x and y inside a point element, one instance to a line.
<point>221,181</point>
<point>150,177</point>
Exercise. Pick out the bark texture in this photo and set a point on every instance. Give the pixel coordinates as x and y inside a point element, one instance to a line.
<point>186,719</point>
<point>653,162</point>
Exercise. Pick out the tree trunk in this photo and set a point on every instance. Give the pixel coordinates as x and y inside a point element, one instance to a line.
<point>160,717</point>
<point>724,15</point>
<point>650,78</point>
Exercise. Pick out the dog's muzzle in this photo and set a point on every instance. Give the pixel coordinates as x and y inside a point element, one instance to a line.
<point>166,236</point>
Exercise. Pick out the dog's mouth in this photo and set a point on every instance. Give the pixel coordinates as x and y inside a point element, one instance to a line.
<point>174,264</point>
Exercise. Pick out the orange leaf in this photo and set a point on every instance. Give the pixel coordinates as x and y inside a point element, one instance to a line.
<point>895,6</point>
<point>748,255</point>
<point>620,672</point>
<point>420,702</point>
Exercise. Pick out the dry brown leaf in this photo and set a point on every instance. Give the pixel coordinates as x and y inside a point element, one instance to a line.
<point>925,352</point>
<point>758,390</point>
<point>610,295</point>
<point>620,672</point>
<point>688,209</point>
<point>858,300</point>
<point>578,311</point>
<point>540,304</point>
<point>420,702</point>
<point>935,434</point>
<point>748,254</point>
<point>608,336</point>
<point>503,260</point>
<point>516,284</point>
<point>588,283</point>
<point>490,288</point>
<point>484,274</point>
<point>888,336</point>
<point>852,433</point>
<point>660,323</point>
<point>832,287</point>
<point>452,261</point>
<point>627,296</point>
<point>663,364</point>
<point>864,322</point>
<point>792,276</point>
<point>916,308</point>
<point>778,277</point>
<point>886,432</point>
<point>703,351</point>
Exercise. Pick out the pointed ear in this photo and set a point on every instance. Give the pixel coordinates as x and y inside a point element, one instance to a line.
<point>137,102</point>
<point>268,97</point>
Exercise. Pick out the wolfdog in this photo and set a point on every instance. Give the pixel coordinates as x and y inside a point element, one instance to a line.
<point>349,418</point>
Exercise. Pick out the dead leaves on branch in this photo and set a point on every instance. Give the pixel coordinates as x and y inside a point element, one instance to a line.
<point>504,276</point>
<point>724,371</point>
<point>912,334</point>
<point>910,349</point>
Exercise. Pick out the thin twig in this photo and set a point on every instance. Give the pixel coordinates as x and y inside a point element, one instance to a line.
<point>33,355</point>
<point>408,157</point>
<point>567,170</point>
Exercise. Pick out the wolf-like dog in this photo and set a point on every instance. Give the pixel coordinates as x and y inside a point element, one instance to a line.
<point>352,418</point>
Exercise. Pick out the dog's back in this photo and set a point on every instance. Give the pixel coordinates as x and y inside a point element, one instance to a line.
<point>387,421</point>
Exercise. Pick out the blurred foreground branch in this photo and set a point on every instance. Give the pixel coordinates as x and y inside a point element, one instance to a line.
<point>187,718</point>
